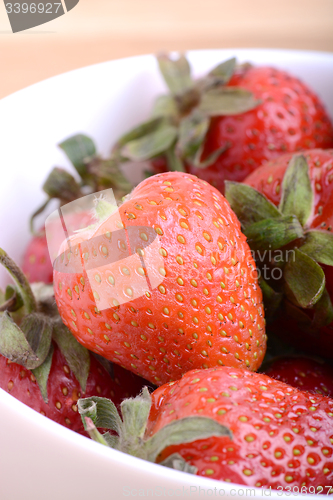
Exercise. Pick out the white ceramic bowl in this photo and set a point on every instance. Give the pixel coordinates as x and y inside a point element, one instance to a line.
<point>40,459</point>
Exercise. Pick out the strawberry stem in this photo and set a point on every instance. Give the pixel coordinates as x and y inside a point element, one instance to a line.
<point>21,281</point>
<point>93,432</point>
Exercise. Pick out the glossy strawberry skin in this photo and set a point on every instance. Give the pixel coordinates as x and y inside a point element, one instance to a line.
<point>64,390</point>
<point>291,118</point>
<point>207,310</point>
<point>282,437</point>
<point>267,179</point>
<point>304,373</point>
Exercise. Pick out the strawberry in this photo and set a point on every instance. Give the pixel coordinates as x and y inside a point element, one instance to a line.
<point>96,174</point>
<point>279,437</point>
<point>304,373</point>
<point>286,211</point>
<point>37,265</point>
<point>184,296</point>
<point>225,125</point>
<point>42,365</point>
<point>63,388</point>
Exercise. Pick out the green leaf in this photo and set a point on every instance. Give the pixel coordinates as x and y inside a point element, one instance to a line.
<point>138,132</point>
<point>297,195</point>
<point>111,440</point>
<point>273,233</point>
<point>177,462</point>
<point>227,101</point>
<point>319,246</point>
<point>42,373</point>
<point>135,414</point>
<point>197,162</point>
<point>95,434</point>
<point>176,73</point>
<point>13,298</point>
<point>323,315</point>
<point>102,412</point>
<point>175,164</point>
<point>37,329</point>
<point>61,184</point>
<point>151,145</point>
<point>165,105</point>
<point>272,299</point>
<point>192,133</point>
<point>79,149</point>
<point>77,356</point>
<point>184,430</point>
<point>132,429</point>
<point>21,282</point>
<point>13,343</point>
<point>305,278</point>
<point>249,205</point>
<point>223,71</point>
<point>108,174</point>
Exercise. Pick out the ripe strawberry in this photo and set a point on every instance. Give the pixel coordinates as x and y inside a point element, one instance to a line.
<point>268,181</point>
<point>192,302</point>
<point>43,366</point>
<point>95,174</point>
<point>63,388</point>
<point>303,186</point>
<point>227,124</point>
<point>280,438</point>
<point>304,373</point>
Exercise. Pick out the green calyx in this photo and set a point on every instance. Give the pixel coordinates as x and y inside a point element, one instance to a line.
<point>180,120</point>
<point>131,430</point>
<point>23,289</point>
<point>101,211</point>
<point>103,208</point>
<point>288,253</point>
<point>93,173</point>
<point>29,326</point>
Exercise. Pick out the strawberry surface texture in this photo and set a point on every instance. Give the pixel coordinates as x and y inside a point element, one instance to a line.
<point>206,309</point>
<point>282,438</point>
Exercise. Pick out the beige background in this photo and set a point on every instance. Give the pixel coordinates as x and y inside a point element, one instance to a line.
<point>99,30</point>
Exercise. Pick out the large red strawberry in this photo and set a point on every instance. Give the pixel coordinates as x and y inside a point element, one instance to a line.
<point>41,363</point>
<point>286,211</point>
<point>279,437</point>
<point>166,284</point>
<point>227,124</point>
<point>304,373</point>
<point>96,174</point>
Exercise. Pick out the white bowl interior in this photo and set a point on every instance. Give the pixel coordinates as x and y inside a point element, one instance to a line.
<point>102,101</point>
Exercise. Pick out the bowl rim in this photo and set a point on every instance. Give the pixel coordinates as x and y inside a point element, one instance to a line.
<point>190,53</point>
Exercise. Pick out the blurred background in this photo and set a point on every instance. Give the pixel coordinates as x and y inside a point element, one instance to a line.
<point>100,30</point>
